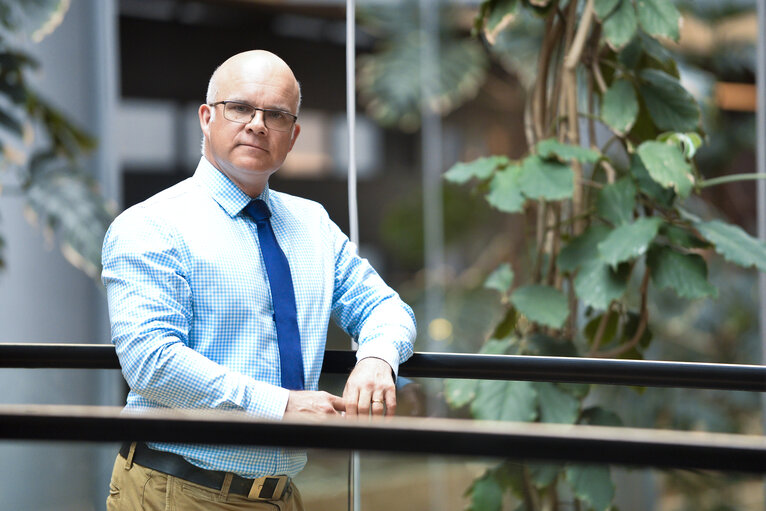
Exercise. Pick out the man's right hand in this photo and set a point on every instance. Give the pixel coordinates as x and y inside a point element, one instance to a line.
<point>310,404</point>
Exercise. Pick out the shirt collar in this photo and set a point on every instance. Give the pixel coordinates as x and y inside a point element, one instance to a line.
<point>223,190</point>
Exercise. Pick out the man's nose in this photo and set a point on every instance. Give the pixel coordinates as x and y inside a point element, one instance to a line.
<point>258,122</point>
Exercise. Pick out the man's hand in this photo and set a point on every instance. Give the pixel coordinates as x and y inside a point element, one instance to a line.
<point>370,386</point>
<point>312,405</point>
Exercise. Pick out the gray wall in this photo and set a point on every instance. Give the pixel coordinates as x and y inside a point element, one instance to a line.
<point>43,298</point>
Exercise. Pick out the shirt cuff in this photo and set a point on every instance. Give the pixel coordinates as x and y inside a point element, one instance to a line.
<point>384,350</point>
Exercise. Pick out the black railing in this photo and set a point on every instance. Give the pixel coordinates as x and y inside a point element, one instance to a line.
<point>453,365</point>
<point>518,441</point>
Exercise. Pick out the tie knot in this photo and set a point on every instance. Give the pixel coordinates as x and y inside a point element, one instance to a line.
<point>258,210</point>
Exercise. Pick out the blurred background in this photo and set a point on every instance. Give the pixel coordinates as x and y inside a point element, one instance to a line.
<point>132,74</point>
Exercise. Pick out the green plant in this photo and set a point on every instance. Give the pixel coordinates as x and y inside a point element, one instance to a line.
<point>612,217</point>
<point>41,148</point>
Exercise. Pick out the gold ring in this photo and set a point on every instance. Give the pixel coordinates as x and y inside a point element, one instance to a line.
<point>377,401</point>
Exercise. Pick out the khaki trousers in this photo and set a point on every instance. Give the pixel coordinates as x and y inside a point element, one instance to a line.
<point>137,488</point>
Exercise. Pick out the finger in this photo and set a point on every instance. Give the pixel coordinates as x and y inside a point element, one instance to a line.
<point>365,400</point>
<point>338,404</point>
<point>378,405</point>
<point>350,399</point>
<point>390,398</point>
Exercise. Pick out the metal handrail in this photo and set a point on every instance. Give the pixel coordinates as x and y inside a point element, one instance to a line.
<point>517,441</point>
<point>453,365</point>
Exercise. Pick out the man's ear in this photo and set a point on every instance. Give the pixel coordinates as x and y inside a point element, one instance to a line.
<point>205,116</point>
<point>296,132</point>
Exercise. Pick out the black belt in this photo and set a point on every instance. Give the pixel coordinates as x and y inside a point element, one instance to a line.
<point>262,488</point>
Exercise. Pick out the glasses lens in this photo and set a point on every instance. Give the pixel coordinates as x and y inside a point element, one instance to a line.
<point>238,112</point>
<point>277,120</point>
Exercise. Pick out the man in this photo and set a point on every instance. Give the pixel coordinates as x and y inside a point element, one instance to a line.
<point>206,313</point>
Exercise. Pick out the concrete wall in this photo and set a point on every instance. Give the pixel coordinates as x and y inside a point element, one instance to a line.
<point>43,298</point>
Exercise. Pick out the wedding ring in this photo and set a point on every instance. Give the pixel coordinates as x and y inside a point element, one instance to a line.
<point>377,401</point>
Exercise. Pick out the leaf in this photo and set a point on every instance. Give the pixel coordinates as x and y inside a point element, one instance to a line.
<point>550,148</point>
<point>480,168</point>
<point>11,123</point>
<point>541,179</point>
<point>500,279</point>
<point>610,329</point>
<point>671,107</point>
<point>619,106</point>
<point>505,192</point>
<point>682,237</point>
<point>556,406</point>
<point>591,484</point>
<point>616,202</point>
<point>545,345</point>
<point>649,186</point>
<point>486,494</point>
<point>459,393</point>
<point>597,284</point>
<point>496,347</point>
<point>629,241</point>
<point>659,18</point>
<point>667,166</point>
<point>686,274</point>
<point>604,8</point>
<point>687,143</point>
<point>505,401</point>
<point>582,249</point>
<point>543,474</point>
<point>506,326</point>
<point>599,416</point>
<point>542,304</point>
<point>620,26</point>
<point>734,244</point>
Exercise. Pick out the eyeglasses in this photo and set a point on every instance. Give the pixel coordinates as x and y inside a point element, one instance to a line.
<point>243,113</point>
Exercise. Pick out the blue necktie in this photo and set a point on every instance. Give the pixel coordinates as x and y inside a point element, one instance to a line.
<point>282,296</point>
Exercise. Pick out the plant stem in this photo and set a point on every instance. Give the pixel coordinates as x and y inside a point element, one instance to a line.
<point>730,179</point>
<point>644,319</point>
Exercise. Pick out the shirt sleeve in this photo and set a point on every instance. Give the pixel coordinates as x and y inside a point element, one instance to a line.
<point>370,311</point>
<point>150,308</point>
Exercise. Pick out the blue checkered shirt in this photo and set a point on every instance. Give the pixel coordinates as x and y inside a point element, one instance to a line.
<point>191,312</point>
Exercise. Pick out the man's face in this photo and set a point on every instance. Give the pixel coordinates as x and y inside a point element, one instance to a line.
<point>249,153</point>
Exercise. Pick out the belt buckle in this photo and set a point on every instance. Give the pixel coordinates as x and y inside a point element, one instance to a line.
<point>268,488</point>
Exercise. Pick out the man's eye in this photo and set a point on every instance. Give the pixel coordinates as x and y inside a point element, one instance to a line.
<point>275,114</point>
<point>240,109</point>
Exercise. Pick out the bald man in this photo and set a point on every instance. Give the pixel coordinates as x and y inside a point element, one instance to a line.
<point>220,292</point>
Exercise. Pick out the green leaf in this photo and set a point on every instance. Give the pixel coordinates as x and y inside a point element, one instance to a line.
<point>556,406</point>
<point>11,123</point>
<point>496,347</point>
<point>505,401</point>
<point>621,25</point>
<point>552,148</point>
<point>486,494</point>
<point>500,13</point>
<point>506,326</point>
<point>682,237</point>
<point>619,106</point>
<point>545,345</point>
<point>505,191</point>
<point>543,474</point>
<point>542,179</point>
<point>629,241</point>
<point>671,107</point>
<point>598,416</point>
<point>582,249</point>
<point>542,304</point>
<point>687,143</point>
<point>686,274</point>
<point>480,168</point>
<point>460,392</point>
<point>591,484</point>
<point>604,8</point>
<point>616,202</point>
<point>649,186</point>
<point>597,284</point>
<point>734,244</point>
<point>500,279</point>
<point>610,329</point>
<point>659,18</point>
<point>667,166</point>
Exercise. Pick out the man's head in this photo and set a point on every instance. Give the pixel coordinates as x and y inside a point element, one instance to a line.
<point>248,153</point>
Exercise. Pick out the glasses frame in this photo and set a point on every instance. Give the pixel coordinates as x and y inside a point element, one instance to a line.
<point>255,109</point>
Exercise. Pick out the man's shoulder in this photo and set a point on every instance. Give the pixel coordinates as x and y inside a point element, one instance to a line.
<point>295,204</point>
<point>169,201</point>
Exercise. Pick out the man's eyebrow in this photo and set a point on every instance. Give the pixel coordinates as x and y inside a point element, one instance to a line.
<point>281,108</point>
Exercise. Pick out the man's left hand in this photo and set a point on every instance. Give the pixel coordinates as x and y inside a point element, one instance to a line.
<point>370,386</point>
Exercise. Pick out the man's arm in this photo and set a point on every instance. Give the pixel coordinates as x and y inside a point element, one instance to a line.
<point>383,325</point>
